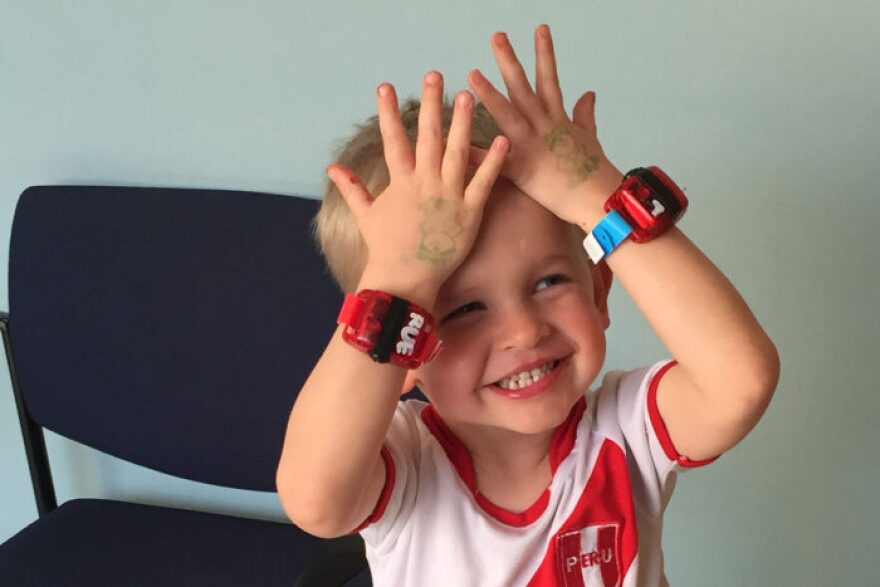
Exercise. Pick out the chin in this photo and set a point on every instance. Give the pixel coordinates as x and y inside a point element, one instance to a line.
<point>535,429</point>
<point>538,420</point>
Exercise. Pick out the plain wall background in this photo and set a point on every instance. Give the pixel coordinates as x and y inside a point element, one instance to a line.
<point>765,111</point>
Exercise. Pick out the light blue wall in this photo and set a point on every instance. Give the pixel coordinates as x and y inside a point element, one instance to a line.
<point>766,111</point>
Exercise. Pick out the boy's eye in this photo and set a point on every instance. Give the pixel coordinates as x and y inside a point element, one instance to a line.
<point>468,308</point>
<point>554,278</point>
<point>462,310</point>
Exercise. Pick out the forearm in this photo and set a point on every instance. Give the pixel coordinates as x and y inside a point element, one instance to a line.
<point>335,433</point>
<point>338,423</point>
<point>697,313</point>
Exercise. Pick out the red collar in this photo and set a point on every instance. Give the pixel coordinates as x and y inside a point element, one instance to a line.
<point>560,446</point>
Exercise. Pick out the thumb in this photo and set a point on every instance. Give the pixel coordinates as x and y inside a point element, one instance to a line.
<point>350,187</point>
<point>584,113</point>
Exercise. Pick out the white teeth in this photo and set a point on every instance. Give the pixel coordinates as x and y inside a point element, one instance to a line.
<point>526,378</point>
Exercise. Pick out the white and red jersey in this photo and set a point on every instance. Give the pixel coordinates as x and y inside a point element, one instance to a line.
<point>598,523</point>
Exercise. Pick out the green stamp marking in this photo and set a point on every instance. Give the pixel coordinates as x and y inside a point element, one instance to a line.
<point>440,226</point>
<point>571,157</point>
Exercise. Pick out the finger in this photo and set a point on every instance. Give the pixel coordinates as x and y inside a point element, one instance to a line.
<point>398,152</point>
<point>351,188</point>
<point>476,155</point>
<point>546,78</point>
<point>429,143</point>
<point>509,119</point>
<point>477,191</point>
<point>457,144</point>
<point>518,87</point>
<point>584,113</point>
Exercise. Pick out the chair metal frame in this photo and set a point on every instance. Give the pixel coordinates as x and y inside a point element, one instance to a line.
<point>32,434</point>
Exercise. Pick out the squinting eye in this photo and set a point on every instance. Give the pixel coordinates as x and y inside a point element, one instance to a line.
<point>553,277</point>
<point>467,308</point>
<point>471,307</point>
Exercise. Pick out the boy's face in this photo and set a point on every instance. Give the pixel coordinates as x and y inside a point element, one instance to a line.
<point>525,293</point>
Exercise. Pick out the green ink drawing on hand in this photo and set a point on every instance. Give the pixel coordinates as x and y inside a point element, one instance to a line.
<point>571,157</point>
<point>440,226</point>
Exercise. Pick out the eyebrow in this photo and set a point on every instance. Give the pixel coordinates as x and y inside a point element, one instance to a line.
<point>550,259</point>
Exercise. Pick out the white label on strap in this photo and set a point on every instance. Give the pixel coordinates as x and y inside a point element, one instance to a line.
<point>594,249</point>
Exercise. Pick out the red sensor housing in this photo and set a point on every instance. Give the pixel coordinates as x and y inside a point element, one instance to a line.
<point>649,201</point>
<point>389,328</point>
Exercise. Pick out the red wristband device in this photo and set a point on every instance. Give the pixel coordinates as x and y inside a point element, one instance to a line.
<point>389,328</point>
<point>649,201</point>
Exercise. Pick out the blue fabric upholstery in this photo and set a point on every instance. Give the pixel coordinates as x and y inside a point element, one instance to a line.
<point>171,328</point>
<point>103,542</point>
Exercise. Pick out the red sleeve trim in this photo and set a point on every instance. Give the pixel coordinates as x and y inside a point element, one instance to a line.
<point>385,496</point>
<point>660,425</point>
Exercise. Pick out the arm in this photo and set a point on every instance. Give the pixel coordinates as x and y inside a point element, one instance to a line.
<point>728,367</point>
<point>330,474</point>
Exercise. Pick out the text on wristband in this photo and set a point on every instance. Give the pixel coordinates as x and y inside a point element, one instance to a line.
<point>407,343</point>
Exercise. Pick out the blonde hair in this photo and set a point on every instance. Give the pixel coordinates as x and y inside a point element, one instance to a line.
<point>334,227</point>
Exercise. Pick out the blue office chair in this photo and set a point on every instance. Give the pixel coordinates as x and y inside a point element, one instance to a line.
<point>171,328</point>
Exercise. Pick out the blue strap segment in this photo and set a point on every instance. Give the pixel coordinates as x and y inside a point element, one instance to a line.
<point>611,231</point>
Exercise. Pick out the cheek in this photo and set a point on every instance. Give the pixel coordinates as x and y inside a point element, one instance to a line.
<point>581,323</point>
<point>585,327</point>
<point>458,366</point>
<point>587,316</point>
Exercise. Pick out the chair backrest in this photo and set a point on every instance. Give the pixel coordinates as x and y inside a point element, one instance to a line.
<point>171,328</point>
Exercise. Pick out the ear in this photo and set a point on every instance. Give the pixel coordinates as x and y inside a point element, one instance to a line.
<point>602,278</point>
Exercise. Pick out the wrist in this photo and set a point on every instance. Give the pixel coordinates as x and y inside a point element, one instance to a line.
<point>589,210</point>
<point>389,328</point>
<point>424,295</point>
<point>644,205</point>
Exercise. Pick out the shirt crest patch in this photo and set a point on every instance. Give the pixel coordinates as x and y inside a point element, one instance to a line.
<point>590,557</point>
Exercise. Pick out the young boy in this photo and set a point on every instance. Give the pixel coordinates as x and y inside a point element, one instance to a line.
<point>516,472</point>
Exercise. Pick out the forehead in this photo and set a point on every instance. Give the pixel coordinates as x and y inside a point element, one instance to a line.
<point>516,234</point>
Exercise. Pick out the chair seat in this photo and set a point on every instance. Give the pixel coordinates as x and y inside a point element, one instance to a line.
<point>102,542</point>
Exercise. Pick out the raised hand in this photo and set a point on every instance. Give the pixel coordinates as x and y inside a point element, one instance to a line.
<point>420,228</point>
<point>554,159</point>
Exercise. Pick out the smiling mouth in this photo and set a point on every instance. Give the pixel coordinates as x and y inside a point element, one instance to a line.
<point>535,387</point>
<point>513,383</point>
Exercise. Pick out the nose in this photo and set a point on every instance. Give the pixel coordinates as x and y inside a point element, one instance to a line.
<point>522,326</point>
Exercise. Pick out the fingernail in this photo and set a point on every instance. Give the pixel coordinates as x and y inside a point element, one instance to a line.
<point>478,77</point>
<point>432,78</point>
<point>383,89</point>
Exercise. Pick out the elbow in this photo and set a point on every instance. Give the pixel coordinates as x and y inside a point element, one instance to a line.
<point>308,512</point>
<point>768,377</point>
<point>762,385</point>
<point>318,526</point>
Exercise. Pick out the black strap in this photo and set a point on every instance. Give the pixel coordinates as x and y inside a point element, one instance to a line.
<point>391,325</point>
